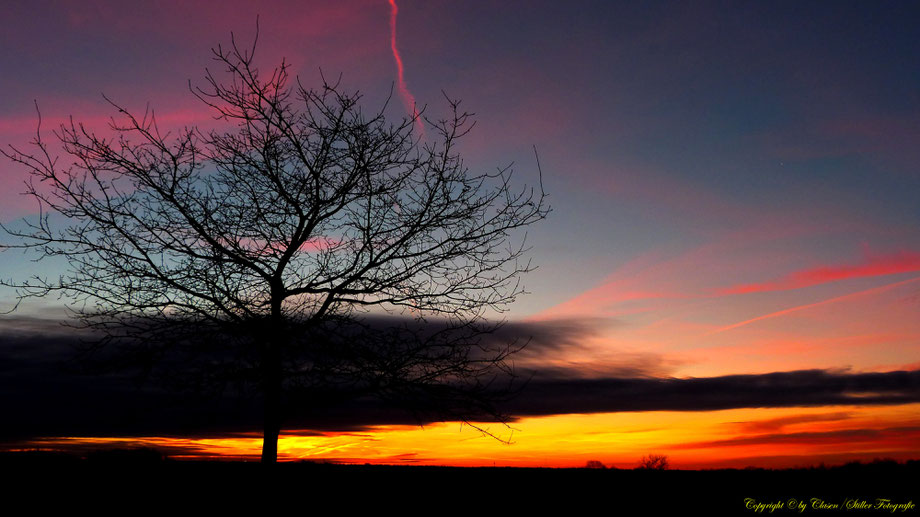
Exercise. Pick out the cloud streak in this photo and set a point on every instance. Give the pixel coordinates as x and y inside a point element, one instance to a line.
<point>407,97</point>
<point>901,262</point>
<point>803,388</point>
<point>778,424</point>
<point>909,434</point>
<point>790,310</point>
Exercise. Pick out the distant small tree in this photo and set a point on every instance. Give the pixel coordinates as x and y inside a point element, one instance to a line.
<point>272,236</point>
<point>594,464</point>
<point>654,462</point>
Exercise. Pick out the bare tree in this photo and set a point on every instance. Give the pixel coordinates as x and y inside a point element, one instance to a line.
<point>654,462</point>
<point>280,232</point>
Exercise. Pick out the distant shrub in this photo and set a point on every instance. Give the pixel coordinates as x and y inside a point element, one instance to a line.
<point>594,464</point>
<point>884,463</point>
<point>654,462</point>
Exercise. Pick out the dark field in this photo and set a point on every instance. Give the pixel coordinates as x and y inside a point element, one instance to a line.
<point>132,481</point>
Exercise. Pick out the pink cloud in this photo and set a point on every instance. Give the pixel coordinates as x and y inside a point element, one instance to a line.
<point>874,290</point>
<point>879,265</point>
<point>407,97</point>
<point>311,35</point>
<point>665,277</point>
<point>261,247</point>
<point>18,131</point>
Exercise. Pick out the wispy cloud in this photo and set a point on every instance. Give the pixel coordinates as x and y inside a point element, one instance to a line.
<point>851,437</point>
<point>870,266</point>
<point>779,423</point>
<point>407,97</point>
<point>874,290</point>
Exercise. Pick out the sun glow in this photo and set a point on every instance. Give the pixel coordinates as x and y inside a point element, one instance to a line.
<point>766,437</point>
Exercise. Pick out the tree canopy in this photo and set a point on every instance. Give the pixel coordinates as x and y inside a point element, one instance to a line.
<point>303,212</point>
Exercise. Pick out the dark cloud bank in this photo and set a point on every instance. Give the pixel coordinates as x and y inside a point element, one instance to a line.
<point>43,393</point>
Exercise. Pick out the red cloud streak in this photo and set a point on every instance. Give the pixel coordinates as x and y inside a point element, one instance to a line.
<point>902,262</point>
<point>404,92</point>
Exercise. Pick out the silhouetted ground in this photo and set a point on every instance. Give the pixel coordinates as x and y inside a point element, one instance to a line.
<point>133,480</point>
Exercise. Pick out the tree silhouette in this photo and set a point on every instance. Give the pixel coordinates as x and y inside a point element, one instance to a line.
<point>273,239</point>
<point>654,462</point>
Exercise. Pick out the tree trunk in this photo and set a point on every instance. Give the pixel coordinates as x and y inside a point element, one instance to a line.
<point>271,388</point>
<point>272,380</point>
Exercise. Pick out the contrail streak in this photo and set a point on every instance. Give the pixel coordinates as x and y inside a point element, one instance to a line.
<point>407,97</point>
<point>783,312</point>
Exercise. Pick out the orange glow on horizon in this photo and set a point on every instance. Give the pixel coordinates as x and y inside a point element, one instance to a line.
<point>765,437</point>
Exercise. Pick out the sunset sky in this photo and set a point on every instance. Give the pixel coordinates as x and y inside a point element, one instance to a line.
<point>731,271</point>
